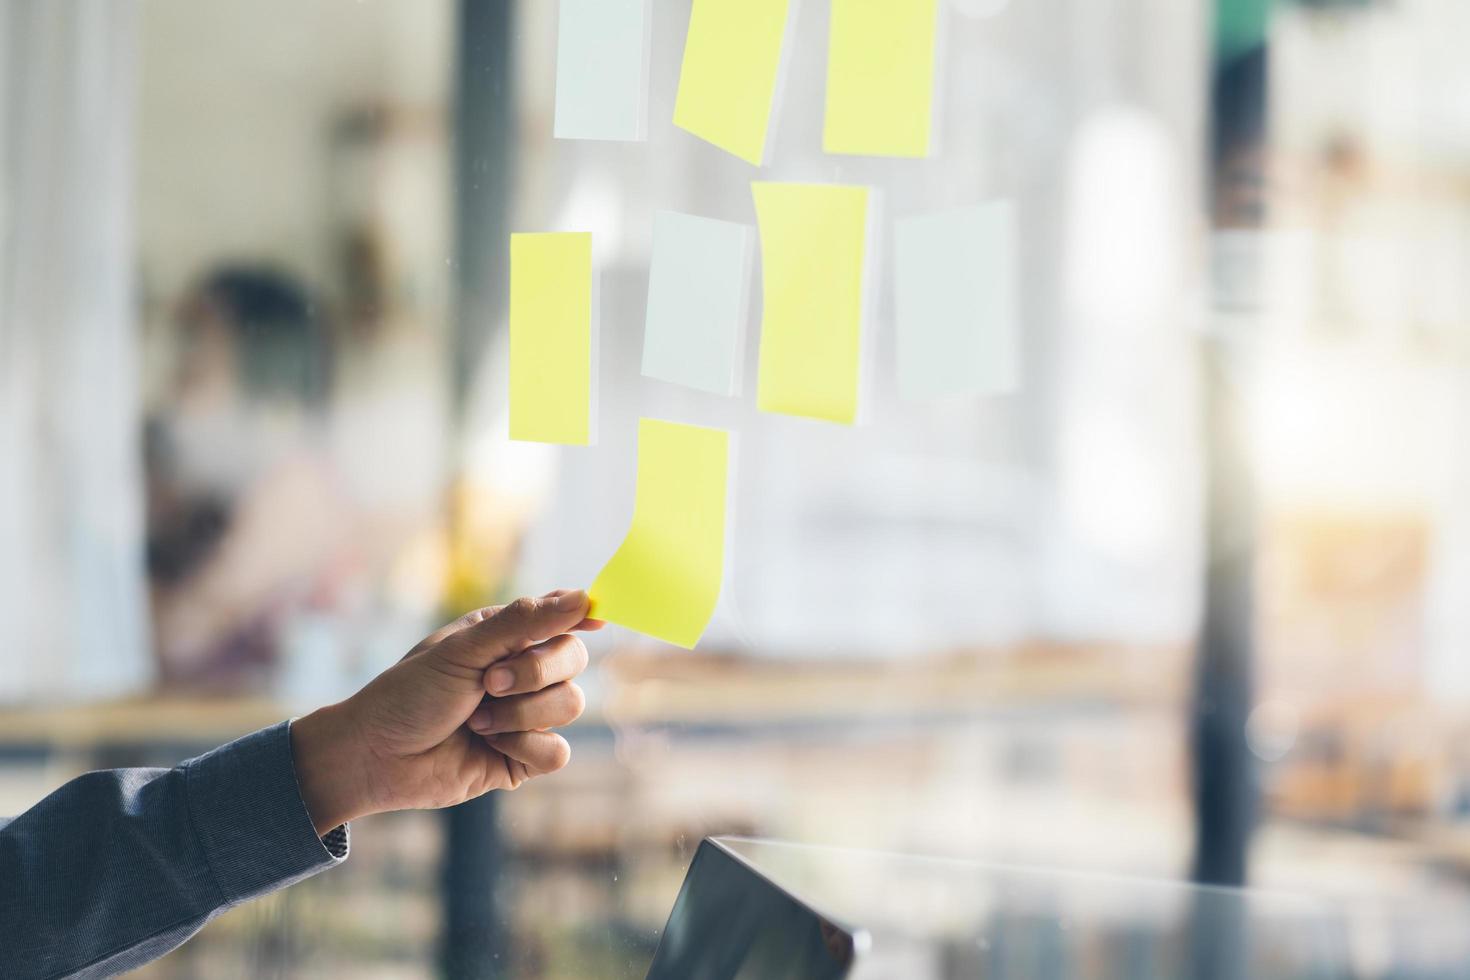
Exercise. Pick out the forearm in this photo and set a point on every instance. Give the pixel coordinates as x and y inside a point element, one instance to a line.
<point>118,867</point>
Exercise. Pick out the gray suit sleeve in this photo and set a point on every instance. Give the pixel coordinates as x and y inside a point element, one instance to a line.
<point>117,868</point>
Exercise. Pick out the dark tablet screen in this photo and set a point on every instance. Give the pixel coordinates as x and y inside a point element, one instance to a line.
<point>730,922</point>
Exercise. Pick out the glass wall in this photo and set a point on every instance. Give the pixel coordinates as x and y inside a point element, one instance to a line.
<point>1199,580</point>
<point>963,626</point>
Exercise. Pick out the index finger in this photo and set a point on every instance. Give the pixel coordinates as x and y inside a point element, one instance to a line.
<point>514,627</point>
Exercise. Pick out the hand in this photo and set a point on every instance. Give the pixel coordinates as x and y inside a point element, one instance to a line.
<point>464,712</point>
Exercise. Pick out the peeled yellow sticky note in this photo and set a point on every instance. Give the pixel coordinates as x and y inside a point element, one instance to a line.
<point>551,337</point>
<point>880,77</point>
<point>813,243</point>
<point>732,57</point>
<point>664,579</point>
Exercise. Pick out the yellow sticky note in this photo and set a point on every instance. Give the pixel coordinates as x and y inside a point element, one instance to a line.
<point>880,77</point>
<point>813,243</point>
<point>551,337</point>
<point>665,577</point>
<point>732,56</point>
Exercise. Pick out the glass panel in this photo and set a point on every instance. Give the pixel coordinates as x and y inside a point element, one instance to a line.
<point>1183,594</point>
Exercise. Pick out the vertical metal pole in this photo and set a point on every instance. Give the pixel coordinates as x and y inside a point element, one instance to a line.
<point>1224,775</point>
<point>474,944</point>
<point>484,161</point>
<point>1224,772</point>
<point>1225,790</point>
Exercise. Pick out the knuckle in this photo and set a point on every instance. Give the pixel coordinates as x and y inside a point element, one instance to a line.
<point>522,608</point>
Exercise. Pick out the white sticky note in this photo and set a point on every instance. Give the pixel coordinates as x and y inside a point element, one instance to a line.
<point>956,295</point>
<point>602,69</point>
<point>697,290</point>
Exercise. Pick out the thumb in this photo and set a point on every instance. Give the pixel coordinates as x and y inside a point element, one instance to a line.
<point>516,626</point>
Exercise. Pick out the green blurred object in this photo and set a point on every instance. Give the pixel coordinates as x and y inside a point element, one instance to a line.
<point>1239,26</point>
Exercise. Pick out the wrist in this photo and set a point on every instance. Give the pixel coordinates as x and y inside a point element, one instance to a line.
<point>324,749</point>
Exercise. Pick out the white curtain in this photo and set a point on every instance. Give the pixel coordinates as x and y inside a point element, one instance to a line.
<point>73,620</point>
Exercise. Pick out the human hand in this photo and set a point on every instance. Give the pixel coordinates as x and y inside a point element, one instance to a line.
<point>466,711</point>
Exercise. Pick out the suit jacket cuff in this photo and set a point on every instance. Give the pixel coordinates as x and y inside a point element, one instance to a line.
<point>248,814</point>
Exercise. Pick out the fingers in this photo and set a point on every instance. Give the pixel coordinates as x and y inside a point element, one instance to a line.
<point>507,630</point>
<point>558,659</point>
<point>539,752</point>
<point>475,616</point>
<point>559,704</point>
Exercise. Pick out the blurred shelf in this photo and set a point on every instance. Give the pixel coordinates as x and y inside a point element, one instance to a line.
<point>646,687</point>
<point>656,688</point>
<point>139,720</point>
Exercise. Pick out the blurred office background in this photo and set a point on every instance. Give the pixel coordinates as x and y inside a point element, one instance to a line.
<point>1192,602</point>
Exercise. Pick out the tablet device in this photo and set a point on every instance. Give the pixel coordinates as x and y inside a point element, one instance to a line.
<point>730,921</point>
